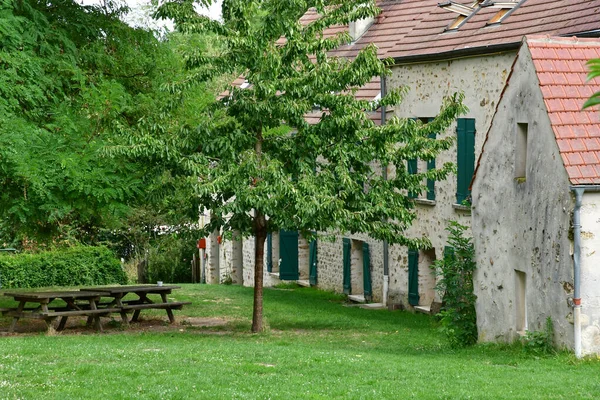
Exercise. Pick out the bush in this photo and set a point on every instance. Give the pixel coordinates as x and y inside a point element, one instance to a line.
<point>540,342</point>
<point>76,266</point>
<point>458,318</point>
<point>169,259</point>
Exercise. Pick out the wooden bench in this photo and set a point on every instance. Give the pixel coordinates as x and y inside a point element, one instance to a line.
<point>174,305</point>
<point>73,313</point>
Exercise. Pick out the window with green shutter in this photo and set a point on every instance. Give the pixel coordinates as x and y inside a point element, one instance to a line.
<point>431,182</point>
<point>412,169</point>
<point>465,162</point>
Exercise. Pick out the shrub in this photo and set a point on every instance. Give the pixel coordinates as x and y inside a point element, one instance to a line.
<point>169,259</point>
<point>455,285</point>
<point>76,266</point>
<point>540,342</point>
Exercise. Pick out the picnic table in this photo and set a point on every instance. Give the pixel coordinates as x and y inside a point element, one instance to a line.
<point>142,302</point>
<point>78,303</point>
<point>86,302</point>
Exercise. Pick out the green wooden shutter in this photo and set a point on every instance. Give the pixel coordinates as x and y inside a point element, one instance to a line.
<point>288,252</point>
<point>368,291</point>
<point>346,261</point>
<point>465,130</point>
<point>412,169</point>
<point>269,253</point>
<point>413,277</point>
<point>312,262</point>
<point>430,166</point>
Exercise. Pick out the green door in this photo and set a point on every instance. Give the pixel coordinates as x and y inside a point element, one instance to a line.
<point>346,261</point>
<point>312,263</point>
<point>288,252</point>
<point>413,277</point>
<point>367,272</point>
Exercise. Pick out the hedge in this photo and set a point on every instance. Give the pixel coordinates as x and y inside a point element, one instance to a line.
<point>76,266</point>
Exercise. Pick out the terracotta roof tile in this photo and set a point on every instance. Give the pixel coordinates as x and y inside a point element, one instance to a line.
<point>577,131</point>
<point>591,143</point>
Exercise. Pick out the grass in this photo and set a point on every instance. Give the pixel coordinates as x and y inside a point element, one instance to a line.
<point>315,348</point>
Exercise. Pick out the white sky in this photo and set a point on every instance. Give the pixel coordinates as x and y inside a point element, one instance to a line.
<point>137,15</point>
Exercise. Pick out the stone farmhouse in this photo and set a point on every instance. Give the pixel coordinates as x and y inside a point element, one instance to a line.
<point>536,200</point>
<point>438,49</point>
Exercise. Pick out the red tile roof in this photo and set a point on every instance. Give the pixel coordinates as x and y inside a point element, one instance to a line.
<point>560,64</point>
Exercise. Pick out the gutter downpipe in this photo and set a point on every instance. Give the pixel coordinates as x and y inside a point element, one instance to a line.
<point>579,190</point>
<point>577,269</point>
<point>386,262</point>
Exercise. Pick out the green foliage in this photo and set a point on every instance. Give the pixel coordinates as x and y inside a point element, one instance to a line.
<point>76,266</point>
<point>75,84</point>
<point>540,342</point>
<point>262,167</point>
<point>455,285</point>
<point>594,66</point>
<point>257,177</point>
<point>169,259</point>
<point>57,101</point>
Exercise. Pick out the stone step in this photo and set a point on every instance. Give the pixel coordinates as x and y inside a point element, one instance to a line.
<point>357,298</point>
<point>303,282</point>
<point>373,306</point>
<point>423,309</point>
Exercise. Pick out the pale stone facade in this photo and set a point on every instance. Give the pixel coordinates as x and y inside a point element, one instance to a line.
<point>521,223</point>
<point>481,79</point>
<point>590,273</point>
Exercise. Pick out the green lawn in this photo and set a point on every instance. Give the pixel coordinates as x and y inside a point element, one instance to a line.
<point>315,348</point>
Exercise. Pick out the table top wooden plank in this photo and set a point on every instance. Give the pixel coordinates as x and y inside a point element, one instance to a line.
<point>75,294</point>
<point>133,289</point>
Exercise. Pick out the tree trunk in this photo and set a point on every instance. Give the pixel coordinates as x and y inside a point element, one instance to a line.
<point>260,234</point>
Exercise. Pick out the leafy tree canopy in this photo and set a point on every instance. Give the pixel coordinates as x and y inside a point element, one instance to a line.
<point>325,176</point>
<point>594,66</point>
<point>262,167</point>
<point>75,82</point>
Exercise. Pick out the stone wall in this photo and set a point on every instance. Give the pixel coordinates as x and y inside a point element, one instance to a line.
<point>521,224</point>
<point>481,79</point>
<point>590,273</point>
<point>330,265</point>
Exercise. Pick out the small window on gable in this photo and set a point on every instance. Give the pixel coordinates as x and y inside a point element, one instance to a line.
<point>521,152</point>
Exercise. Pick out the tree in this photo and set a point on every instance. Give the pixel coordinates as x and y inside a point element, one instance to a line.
<point>594,66</point>
<point>263,167</point>
<point>75,82</point>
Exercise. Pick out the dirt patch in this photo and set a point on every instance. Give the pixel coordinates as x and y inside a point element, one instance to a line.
<point>77,326</point>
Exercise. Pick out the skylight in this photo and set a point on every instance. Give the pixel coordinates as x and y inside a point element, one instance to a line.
<point>464,12</point>
<point>458,8</point>
<point>505,8</point>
